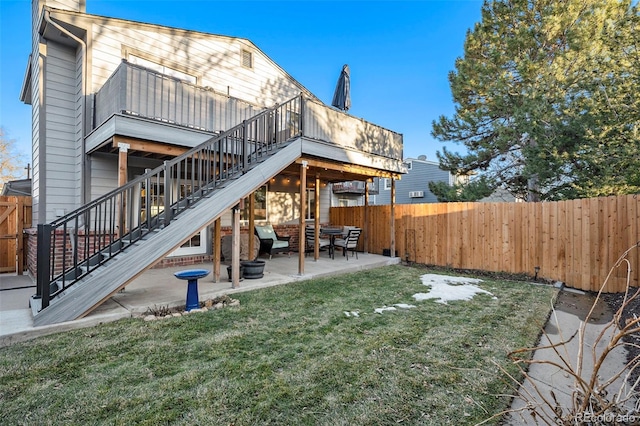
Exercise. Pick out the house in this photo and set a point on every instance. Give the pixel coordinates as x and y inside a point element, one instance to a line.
<point>347,194</point>
<point>148,140</point>
<point>413,188</point>
<point>20,187</point>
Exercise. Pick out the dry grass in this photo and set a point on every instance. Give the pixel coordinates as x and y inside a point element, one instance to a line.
<point>287,355</point>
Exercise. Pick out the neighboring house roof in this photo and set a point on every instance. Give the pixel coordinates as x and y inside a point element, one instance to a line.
<point>20,187</point>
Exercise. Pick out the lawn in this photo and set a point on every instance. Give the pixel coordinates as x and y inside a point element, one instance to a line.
<point>286,355</point>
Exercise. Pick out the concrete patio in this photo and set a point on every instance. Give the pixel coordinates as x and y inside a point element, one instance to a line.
<point>159,287</point>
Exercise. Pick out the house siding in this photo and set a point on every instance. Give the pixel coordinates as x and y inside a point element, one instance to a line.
<point>63,128</point>
<point>214,60</point>
<point>36,92</point>
<point>74,5</point>
<point>104,174</point>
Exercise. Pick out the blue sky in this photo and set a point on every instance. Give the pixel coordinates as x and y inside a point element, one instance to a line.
<point>399,52</point>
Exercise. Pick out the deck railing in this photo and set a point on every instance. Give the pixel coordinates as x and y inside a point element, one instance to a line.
<point>76,244</point>
<point>329,124</point>
<point>354,187</point>
<point>138,91</point>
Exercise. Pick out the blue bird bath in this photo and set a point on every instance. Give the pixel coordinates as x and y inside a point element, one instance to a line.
<point>192,276</point>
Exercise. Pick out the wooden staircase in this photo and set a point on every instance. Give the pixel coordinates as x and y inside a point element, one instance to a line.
<point>87,281</point>
<point>101,283</point>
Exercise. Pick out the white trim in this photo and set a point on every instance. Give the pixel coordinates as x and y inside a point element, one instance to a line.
<point>186,251</point>
<point>387,184</point>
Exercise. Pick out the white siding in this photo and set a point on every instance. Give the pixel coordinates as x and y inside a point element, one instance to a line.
<point>62,131</point>
<point>79,131</point>
<point>104,174</point>
<point>74,5</point>
<point>35,116</point>
<point>214,60</point>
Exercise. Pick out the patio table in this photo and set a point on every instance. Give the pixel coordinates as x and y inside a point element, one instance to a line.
<point>331,232</point>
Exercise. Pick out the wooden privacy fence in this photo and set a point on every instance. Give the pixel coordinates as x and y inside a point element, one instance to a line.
<point>576,242</point>
<point>15,216</point>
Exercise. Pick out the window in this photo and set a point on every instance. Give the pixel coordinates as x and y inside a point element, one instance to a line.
<point>387,184</point>
<point>260,205</point>
<point>247,59</point>
<point>193,242</point>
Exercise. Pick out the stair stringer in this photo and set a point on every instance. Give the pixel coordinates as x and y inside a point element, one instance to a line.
<point>99,285</point>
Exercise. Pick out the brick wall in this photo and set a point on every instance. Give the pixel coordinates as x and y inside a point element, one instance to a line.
<point>91,240</point>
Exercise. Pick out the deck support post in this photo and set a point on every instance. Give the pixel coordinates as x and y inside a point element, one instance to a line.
<point>303,215</point>
<point>365,225</point>
<point>252,223</point>
<point>392,220</point>
<point>123,148</point>
<point>217,246</point>
<point>316,222</point>
<point>235,247</point>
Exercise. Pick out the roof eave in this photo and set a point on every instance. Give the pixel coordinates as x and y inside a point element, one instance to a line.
<point>25,91</point>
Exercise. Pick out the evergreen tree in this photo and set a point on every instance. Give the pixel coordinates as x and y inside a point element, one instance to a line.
<point>546,101</point>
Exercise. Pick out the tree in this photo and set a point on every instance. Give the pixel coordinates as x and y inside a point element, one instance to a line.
<point>546,101</point>
<point>10,161</point>
<point>472,190</point>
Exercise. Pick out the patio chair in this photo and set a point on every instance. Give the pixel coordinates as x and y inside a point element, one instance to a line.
<point>310,237</point>
<point>271,242</point>
<point>349,243</point>
<point>346,229</point>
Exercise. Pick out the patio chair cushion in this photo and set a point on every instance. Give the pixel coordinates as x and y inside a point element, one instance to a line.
<point>266,232</point>
<point>279,244</point>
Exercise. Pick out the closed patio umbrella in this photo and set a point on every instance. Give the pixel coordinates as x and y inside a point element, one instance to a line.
<point>342,95</point>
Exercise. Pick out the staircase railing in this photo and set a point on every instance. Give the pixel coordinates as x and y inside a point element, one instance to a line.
<point>76,244</point>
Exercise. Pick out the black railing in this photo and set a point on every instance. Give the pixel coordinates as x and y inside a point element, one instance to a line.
<point>76,244</point>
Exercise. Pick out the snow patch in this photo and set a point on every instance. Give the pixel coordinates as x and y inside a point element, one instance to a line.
<point>352,313</point>
<point>445,288</point>
<point>404,306</point>
<point>393,308</point>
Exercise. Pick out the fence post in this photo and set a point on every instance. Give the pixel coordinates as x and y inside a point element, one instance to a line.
<point>44,263</point>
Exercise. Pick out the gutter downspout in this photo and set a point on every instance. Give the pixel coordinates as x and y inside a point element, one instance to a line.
<point>83,165</point>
